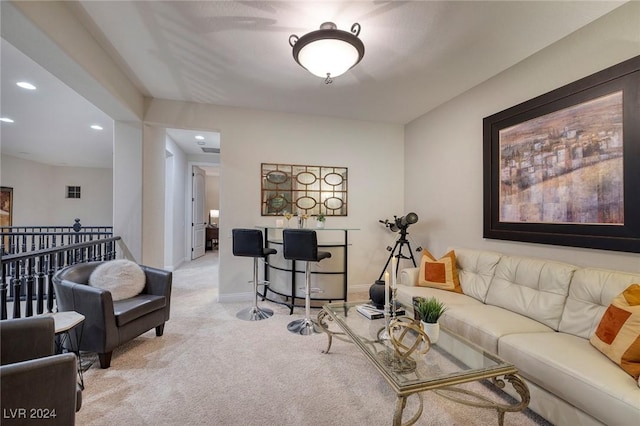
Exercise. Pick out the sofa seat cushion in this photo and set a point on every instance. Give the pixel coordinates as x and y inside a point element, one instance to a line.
<point>570,368</point>
<point>484,325</point>
<point>406,294</point>
<point>135,307</point>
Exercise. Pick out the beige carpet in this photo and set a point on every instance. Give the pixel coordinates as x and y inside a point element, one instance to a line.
<point>210,368</point>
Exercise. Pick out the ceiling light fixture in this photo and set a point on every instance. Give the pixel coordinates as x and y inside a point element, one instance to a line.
<point>200,143</point>
<point>328,52</point>
<point>26,85</point>
<point>96,127</point>
<point>200,137</point>
<point>6,120</point>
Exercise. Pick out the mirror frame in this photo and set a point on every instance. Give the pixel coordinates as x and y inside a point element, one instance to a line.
<point>303,189</point>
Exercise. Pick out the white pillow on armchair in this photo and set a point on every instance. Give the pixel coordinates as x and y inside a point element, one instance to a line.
<point>122,278</point>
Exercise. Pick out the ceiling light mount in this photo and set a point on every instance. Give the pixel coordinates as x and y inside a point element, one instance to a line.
<point>328,52</point>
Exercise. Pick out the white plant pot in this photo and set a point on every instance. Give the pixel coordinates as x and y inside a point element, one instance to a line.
<point>432,330</point>
<point>319,224</point>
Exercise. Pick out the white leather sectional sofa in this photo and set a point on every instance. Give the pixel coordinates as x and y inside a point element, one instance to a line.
<point>539,314</point>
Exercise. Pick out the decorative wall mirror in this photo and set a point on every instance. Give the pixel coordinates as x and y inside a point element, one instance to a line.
<point>299,189</point>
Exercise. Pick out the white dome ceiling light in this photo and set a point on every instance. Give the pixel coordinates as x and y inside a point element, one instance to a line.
<point>328,52</point>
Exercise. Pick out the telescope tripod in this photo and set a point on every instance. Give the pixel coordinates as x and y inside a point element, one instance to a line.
<point>400,243</point>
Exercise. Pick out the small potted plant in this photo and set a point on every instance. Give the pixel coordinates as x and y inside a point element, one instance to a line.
<point>430,310</point>
<point>320,218</point>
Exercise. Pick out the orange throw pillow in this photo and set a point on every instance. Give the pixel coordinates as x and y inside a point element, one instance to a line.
<point>441,273</point>
<point>618,334</point>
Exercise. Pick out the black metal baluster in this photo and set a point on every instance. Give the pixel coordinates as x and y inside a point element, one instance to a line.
<point>50,273</point>
<point>28,282</point>
<point>17,287</point>
<point>98,252</point>
<point>40,277</point>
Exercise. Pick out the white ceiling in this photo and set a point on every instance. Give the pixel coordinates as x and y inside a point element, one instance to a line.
<point>419,54</point>
<point>52,123</point>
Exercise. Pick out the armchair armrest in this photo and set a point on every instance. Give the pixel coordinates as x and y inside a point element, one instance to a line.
<point>99,328</point>
<point>159,283</point>
<point>40,388</point>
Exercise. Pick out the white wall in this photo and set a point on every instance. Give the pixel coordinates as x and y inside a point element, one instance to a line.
<point>373,152</point>
<point>153,183</point>
<point>443,150</point>
<point>176,227</point>
<point>127,187</point>
<point>39,193</point>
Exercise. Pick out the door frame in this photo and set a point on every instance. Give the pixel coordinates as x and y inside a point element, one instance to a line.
<point>188,204</point>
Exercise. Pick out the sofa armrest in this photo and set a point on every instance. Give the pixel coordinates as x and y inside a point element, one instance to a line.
<point>35,388</point>
<point>409,277</point>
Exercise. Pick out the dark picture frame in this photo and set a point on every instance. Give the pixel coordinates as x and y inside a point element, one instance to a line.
<point>564,168</point>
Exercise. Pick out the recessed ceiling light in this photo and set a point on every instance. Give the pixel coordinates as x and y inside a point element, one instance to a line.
<point>200,137</point>
<point>96,127</point>
<point>6,119</point>
<point>26,85</point>
<point>200,143</point>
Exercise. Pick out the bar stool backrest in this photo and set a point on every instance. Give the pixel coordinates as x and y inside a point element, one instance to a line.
<point>300,244</point>
<point>247,242</point>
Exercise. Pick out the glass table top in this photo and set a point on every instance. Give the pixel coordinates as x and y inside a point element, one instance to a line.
<point>452,360</point>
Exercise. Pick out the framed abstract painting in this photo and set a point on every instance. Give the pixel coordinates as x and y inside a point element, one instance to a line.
<point>564,168</point>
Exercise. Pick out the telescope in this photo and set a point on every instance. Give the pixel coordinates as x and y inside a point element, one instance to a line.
<point>376,291</point>
<point>400,223</point>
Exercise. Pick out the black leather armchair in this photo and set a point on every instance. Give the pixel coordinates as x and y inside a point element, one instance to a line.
<point>109,324</point>
<point>36,385</point>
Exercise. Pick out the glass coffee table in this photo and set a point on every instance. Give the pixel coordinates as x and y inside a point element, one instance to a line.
<point>448,363</point>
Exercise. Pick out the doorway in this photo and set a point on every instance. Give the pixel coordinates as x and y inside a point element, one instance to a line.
<point>191,193</point>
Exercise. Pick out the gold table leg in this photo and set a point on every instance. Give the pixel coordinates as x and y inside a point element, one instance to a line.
<point>401,403</point>
<point>482,401</point>
<point>323,317</point>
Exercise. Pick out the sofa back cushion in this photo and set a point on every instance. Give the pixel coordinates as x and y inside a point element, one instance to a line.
<point>475,271</point>
<point>534,288</point>
<point>590,294</point>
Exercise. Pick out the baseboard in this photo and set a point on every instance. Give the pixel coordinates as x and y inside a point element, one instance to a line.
<point>357,288</point>
<point>248,296</point>
<point>236,297</point>
<point>174,267</point>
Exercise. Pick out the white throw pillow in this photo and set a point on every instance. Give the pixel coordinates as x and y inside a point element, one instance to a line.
<point>122,277</point>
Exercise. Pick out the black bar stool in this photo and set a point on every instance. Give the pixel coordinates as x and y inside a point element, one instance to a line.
<point>302,244</point>
<point>249,243</point>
